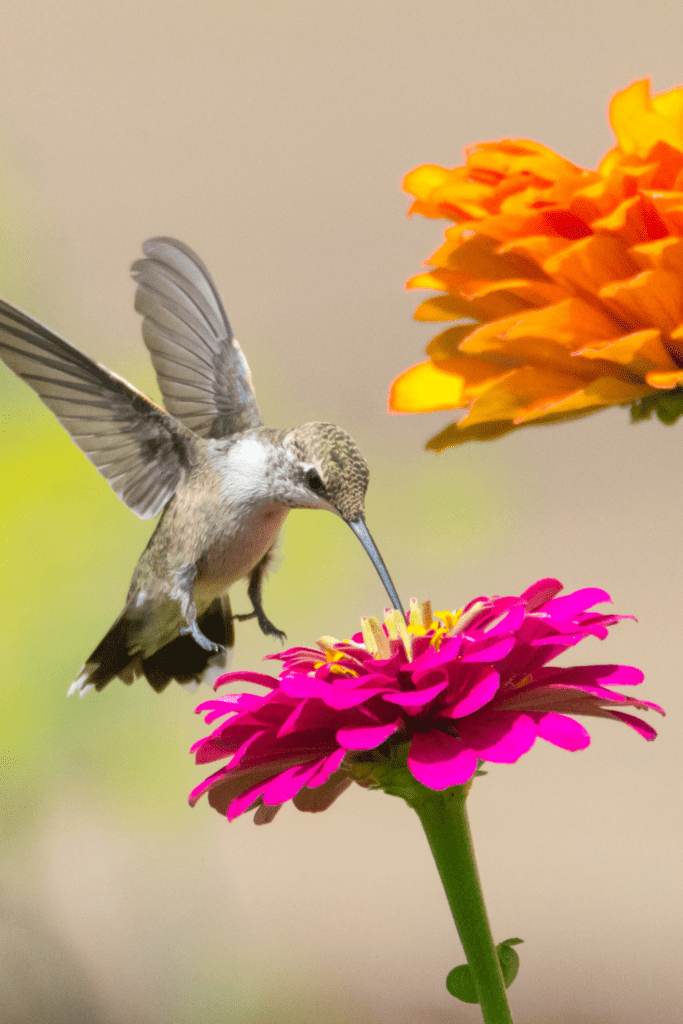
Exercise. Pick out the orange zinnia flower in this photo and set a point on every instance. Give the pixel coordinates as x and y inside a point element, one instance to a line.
<point>565,284</point>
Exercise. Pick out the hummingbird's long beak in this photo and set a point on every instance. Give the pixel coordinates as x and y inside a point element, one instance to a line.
<point>361,531</point>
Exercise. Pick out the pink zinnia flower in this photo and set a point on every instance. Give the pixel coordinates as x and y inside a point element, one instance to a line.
<point>444,694</point>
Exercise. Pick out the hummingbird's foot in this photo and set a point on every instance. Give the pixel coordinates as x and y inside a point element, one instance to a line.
<point>254,593</point>
<point>199,638</point>
<point>264,622</point>
<point>268,628</point>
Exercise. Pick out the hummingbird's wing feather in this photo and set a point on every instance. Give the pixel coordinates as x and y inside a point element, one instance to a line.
<point>202,372</point>
<point>141,450</point>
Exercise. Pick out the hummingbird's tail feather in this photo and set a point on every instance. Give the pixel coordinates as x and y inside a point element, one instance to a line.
<point>182,659</point>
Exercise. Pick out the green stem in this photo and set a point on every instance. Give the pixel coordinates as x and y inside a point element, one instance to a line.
<point>444,819</point>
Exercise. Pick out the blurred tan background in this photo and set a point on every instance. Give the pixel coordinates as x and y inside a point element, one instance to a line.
<point>273,137</point>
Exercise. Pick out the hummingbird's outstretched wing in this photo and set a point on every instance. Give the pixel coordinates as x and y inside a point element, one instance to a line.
<point>142,451</point>
<point>202,373</point>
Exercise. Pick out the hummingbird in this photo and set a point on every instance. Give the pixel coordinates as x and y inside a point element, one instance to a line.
<point>222,481</point>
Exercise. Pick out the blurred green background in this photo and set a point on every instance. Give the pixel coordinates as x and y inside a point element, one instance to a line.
<point>273,138</point>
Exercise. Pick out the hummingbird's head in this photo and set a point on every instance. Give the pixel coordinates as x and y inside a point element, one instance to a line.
<point>333,472</point>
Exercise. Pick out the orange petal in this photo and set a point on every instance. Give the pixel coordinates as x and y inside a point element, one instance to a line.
<point>640,353</point>
<point>477,375</point>
<point>520,391</point>
<point>455,307</point>
<point>479,256</point>
<point>654,297</point>
<point>597,394</point>
<point>665,380</point>
<point>422,181</point>
<point>537,247</point>
<point>669,206</point>
<point>640,122</point>
<point>591,263</point>
<point>426,388</point>
<point>567,323</point>
<point>635,220</point>
<point>664,254</point>
<point>454,435</point>
<point>447,344</point>
<point>515,156</point>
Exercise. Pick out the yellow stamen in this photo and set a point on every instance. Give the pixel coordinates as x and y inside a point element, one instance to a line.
<point>327,643</point>
<point>376,640</point>
<point>415,615</point>
<point>398,630</point>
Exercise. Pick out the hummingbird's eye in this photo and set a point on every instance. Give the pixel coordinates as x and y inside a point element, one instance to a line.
<point>314,482</point>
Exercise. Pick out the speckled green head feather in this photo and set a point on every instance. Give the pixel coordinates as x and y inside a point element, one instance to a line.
<point>339,463</point>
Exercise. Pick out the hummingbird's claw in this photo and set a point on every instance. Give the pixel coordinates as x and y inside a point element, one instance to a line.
<point>269,629</point>
<point>264,622</point>
<point>198,637</point>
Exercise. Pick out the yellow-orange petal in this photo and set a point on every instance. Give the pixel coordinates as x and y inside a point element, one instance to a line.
<point>538,248</point>
<point>652,297</point>
<point>635,220</point>
<point>422,181</point>
<point>477,375</point>
<point>591,263</point>
<point>599,393</point>
<point>455,307</point>
<point>567,323</point>
<point>664,254</point>
<point>453,435</point>
<point>639,122</point>
<point>520,391</point>
<point>658,379</point>
<point>425,388</point>
<point>481,257</point>
<point>515,156</point>
<point>640,352</point>
<point>446,345</point>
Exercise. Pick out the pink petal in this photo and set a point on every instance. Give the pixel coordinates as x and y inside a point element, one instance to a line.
<point>582,675</point>
<point>415,698</point>
<point>286,784</point>
<point>642,728</point>
<point>245,801</point>
<point>540,593</point>
<point>562,731</point>
<point>489,649</point>
<point>433,660</point>
<point>337,697</point>
<point>246,677</point>
<point>320,799</point>
<point>207,783</point>
<point>563,608</point>
<point>480,694</point>
<point>439,760</point>
<point>499,736</point>
<point>211,748</point>
<point>290,723</point>
<point>366,738</point>
<point>327,767</point>
<point>509,622</point>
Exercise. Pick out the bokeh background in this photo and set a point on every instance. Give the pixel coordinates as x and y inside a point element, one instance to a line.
<point>273,137</point>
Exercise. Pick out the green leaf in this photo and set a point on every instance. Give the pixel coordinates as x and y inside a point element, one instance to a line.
<point>509,960</point>
<point>668,406</point>
<point>460,981</point>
